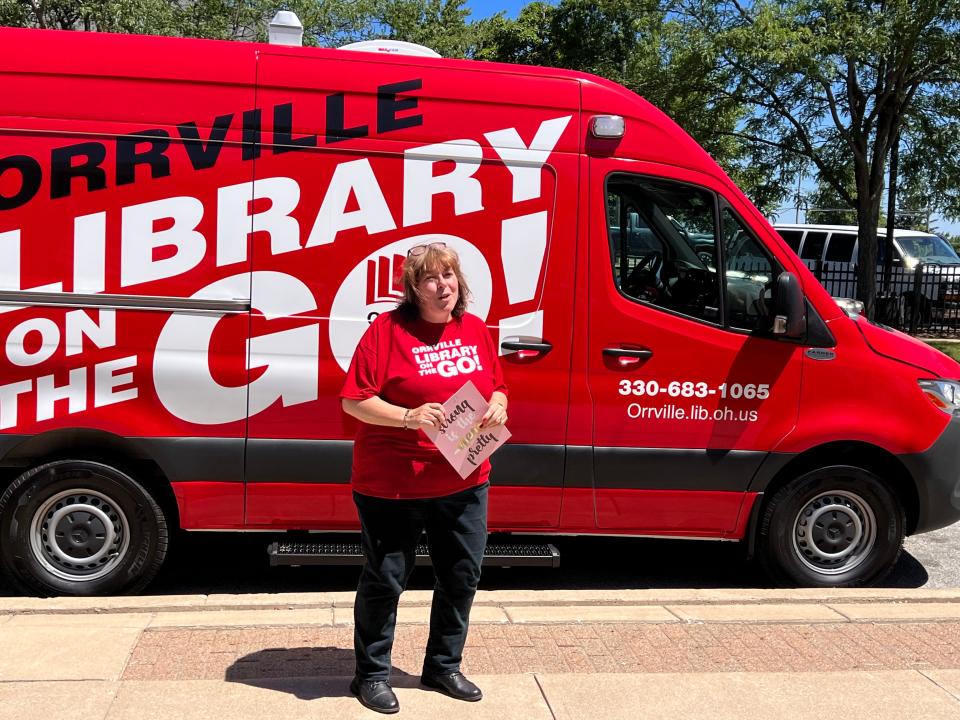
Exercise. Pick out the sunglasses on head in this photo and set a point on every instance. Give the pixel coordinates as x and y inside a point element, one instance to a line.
<point>418,250</point>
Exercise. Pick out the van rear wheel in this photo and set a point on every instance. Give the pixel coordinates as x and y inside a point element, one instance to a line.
<point>838,526</point>
<point>76,527</point>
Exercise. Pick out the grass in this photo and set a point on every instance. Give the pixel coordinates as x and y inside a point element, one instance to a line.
<point>950,348</point>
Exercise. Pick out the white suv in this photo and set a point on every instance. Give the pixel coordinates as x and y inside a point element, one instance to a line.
<point>835,248</point>
<point>838,243</point>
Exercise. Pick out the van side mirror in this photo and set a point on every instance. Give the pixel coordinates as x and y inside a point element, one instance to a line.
<point>790,317</point>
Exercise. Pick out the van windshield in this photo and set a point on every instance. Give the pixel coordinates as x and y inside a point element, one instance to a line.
<point>929,249</point>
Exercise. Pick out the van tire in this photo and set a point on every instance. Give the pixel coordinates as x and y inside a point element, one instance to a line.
<point>838,526</point>
<point>77,527</point>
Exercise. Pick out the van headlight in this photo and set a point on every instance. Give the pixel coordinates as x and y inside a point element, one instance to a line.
<point>853,308</point>
<point>944,394</point>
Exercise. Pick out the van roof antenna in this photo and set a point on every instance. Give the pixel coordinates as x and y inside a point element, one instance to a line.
<point>392,47</point>
<point>286,29</point>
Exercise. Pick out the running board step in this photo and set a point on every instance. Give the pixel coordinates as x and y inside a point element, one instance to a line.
<point>298,553</point>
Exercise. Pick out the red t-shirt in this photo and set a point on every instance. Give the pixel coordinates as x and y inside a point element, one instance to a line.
<point>409,362</point>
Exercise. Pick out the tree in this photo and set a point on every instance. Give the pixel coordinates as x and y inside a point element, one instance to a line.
<point>155,17</point>
<point>525,40</point>
<point>930,157</point>
<point>825,206</point>
<point>837,82</point>
<point>640,45</point>
<point>325,22</point>
<point>441,25</point>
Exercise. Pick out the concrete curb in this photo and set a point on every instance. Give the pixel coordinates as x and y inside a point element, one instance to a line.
<point>489,598</point>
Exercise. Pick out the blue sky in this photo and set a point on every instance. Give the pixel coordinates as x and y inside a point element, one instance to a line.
<point>484,8</point>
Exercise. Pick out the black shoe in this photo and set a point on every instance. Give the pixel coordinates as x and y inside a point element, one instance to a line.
<point>376,695</point>
<point>455,685</point>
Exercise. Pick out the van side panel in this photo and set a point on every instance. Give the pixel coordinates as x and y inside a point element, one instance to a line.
<point>860,396</point>
<point>115,287</point>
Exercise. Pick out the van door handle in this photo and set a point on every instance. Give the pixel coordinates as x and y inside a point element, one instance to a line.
<point>527,349</point>
<point>628,356</point>
<point>628,353</point>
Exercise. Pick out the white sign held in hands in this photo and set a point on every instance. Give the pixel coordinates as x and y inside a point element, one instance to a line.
<point>459,437</point>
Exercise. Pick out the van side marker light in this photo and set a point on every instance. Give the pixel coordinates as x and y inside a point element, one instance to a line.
<point>607,126</point>
<point>286,29</point>
<point>392,47</point>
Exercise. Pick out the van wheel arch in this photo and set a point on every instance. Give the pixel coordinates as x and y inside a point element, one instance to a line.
<point>863,455</point>
<point>95,446</point>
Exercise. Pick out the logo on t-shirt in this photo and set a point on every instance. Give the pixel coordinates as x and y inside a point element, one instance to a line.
<point>447,358</point>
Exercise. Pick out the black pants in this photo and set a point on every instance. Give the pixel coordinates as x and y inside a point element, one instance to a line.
<point>456,528</point>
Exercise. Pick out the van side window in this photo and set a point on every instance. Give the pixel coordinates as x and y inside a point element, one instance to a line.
<point>840,247</point>
<point>813,245</point>
<point>751,274</point>
<point>662,245</point>
<point>792,238</point>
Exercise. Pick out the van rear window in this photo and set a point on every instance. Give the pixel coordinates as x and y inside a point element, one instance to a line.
<point>813,246</point>
<point>792,238</point>
<point>840,248</point>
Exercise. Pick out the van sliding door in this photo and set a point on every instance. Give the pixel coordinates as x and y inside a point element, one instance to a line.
<point>363,157</point>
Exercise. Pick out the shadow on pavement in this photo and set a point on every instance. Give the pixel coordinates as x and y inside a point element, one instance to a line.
<point>306,672</point>
<point>907,573</point>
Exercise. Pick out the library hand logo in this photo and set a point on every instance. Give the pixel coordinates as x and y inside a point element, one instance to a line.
<point>385,279</point>
<point>374,286</point>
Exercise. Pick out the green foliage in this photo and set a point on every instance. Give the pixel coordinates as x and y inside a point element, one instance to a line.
<point>155,17</point>
<point>836,83</point>
<point>930,157</point>
<point>324,21</point>
<point>951,349</point>
<point>439,24</point>
<point>14,13</point>
<point>641,45</point>
<point>825,206</point>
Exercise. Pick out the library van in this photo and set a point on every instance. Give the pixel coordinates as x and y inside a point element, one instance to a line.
<point>195,234</point>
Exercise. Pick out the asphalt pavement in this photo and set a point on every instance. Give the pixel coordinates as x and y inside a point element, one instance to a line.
<point>211,563</point>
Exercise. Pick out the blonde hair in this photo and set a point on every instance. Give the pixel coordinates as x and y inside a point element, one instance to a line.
<point>435,260</point>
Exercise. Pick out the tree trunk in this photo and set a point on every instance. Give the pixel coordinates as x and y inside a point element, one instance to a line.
<point>868,217</point>
<point>891,212</point>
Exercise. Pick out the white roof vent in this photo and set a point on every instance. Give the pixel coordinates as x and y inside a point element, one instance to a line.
<point>392,47</point>
<point>286,29</point>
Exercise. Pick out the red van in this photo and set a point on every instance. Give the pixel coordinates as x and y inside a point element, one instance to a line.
<point>195,234</point>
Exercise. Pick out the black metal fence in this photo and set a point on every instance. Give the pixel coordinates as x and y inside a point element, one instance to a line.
<point>924,300</point>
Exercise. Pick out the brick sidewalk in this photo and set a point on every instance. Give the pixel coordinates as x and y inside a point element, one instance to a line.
<point>243,654</point>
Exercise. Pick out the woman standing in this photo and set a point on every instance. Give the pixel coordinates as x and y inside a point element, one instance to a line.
<point>409,361</point>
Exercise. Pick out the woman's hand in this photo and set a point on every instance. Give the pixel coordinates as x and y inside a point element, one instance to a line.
<point>496,415</point>
<point>427,415</point>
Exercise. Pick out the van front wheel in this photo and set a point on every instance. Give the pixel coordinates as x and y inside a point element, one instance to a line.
<point>75,527</point>
<point>837,526</point>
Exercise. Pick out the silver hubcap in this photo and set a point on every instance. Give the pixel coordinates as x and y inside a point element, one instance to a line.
<point>835,532</point>
<point>79,535</point>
